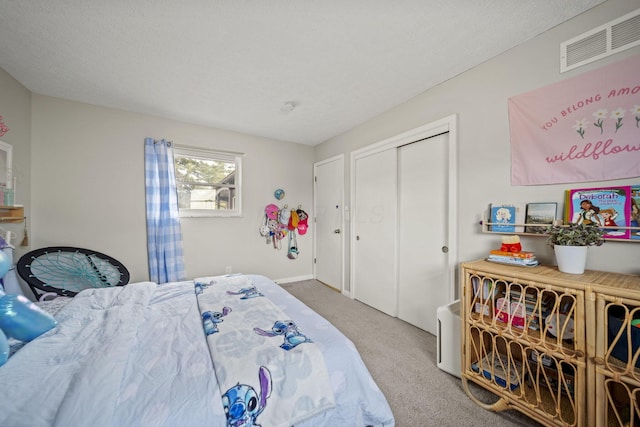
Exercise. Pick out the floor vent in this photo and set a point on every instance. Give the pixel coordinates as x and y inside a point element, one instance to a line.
<point>612,37</point>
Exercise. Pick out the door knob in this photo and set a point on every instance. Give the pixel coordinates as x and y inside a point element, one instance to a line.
<point>336,231</point>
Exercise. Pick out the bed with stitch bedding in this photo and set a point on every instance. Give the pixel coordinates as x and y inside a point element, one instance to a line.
<point>233,350</point>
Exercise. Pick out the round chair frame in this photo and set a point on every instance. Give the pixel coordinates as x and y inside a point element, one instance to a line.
<point>78,265</point>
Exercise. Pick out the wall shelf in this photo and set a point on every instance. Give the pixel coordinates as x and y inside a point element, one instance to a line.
<point>11,213</point>
<point>485,224</point>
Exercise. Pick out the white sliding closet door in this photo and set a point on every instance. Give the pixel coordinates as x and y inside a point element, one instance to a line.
<point>403,234</point>
<point>375,226</point>
<point>423,279</point>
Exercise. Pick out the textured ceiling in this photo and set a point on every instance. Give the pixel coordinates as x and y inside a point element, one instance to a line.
<point>233,64</point>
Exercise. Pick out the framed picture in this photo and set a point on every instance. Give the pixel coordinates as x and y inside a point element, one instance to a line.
<point>540,213</point>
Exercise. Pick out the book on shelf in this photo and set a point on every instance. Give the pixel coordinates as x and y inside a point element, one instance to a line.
<point>507,311</point>
<point>488,288</point>
<point>525,311</point>
<point>505,259</point>
<point>552,367</point>
<point>521,254</point>
<point>483,298</point>
<point>499,368</point>
<point>603,206</point>
<point>540,213</point>
<point>517,295</point>
<point>506,218</point>
<point>634,212</point>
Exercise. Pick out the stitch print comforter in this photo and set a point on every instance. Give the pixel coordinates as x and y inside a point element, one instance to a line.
<point>137,356</point>
<point>274,376</point>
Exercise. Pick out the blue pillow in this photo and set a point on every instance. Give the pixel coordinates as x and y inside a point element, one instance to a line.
<point>22,319</point>
<point>4,348</point>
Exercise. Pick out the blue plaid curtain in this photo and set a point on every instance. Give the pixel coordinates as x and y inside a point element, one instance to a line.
<point>164,239</point>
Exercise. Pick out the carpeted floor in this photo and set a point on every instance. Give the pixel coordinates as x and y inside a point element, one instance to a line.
<point>402,360</point>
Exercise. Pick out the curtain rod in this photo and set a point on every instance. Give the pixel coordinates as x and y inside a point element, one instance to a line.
<point>169,143</point>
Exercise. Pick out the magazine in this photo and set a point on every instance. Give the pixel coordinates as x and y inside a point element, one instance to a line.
<point>606,207</point>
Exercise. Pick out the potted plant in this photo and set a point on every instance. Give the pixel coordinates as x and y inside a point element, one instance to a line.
<point>570,243</point>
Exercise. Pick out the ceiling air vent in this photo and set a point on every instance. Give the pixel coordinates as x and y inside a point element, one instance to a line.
<point>612,37</point>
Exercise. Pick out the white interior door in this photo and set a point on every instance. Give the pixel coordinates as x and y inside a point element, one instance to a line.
<point>328,227</point>
<point>374,229</point>
<point>423,264</point>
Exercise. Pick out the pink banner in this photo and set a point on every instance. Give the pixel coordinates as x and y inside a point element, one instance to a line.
<point>582,129</point>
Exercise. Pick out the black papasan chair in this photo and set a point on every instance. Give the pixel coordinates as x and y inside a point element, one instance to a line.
<point>66,270</point>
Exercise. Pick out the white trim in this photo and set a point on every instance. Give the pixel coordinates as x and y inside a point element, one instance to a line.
<point>209,152</point>
<point>339,157</point>
<point>426,131</point>
<point>329,160</point>
<point>447,124</point>
<point>295,279</point>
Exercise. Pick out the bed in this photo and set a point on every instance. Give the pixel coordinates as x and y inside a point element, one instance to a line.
<point>171,355</point>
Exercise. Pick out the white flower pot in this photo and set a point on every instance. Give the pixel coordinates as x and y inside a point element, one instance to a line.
<point>571,259</point>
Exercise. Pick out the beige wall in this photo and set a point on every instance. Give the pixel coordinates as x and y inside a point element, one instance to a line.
<point>479,99</point>
<point>15,109</point>
<point>88,190</point>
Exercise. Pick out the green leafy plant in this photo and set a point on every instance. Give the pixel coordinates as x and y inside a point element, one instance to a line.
<point>574,234</point>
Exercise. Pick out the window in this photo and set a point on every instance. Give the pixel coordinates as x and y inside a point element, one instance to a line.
<point>208,182</point>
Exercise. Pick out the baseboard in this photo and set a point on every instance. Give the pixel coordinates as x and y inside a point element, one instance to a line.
<point>294,279</point>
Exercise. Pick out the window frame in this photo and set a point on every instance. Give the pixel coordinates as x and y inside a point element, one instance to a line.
<point>217,155</point>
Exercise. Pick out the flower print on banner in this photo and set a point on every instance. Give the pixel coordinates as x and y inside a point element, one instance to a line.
<point>618,115</point>
<point>3,127</point>
<point>636,112</point>
<point>581,126</point>
<point>582,129</point>
<point>600,115</point>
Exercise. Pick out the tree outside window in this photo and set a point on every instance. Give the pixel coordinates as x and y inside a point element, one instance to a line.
<point>207,182</point>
